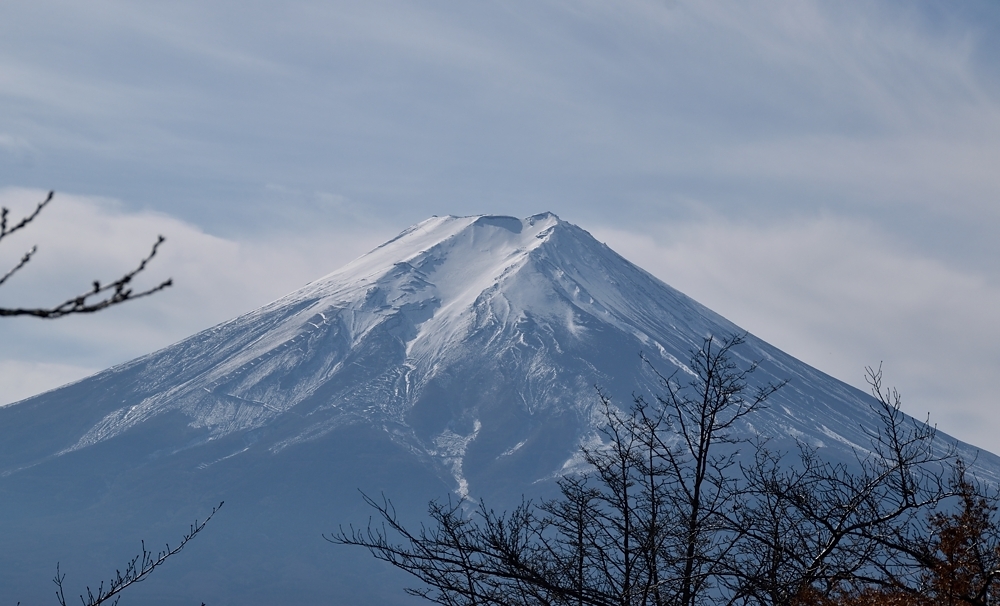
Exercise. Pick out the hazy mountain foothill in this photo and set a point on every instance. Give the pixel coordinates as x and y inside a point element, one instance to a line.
<point>465,358</point>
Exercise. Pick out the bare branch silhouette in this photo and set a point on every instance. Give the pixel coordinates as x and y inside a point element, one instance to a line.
<point>100,296</point>
<point>136,571</point>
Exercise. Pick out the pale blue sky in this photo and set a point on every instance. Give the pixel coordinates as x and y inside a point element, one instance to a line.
<point>825,174</point>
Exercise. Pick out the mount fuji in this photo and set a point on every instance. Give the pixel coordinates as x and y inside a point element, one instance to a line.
<point>459,358</point>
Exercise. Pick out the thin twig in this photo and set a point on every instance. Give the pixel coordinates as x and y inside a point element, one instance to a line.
<point>117,292</point>
<point>136,571</point>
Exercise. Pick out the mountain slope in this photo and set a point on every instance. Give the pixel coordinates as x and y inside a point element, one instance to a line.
<point>460,356</point>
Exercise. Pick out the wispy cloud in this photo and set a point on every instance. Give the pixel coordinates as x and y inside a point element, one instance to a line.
<point>16,146</point>
<point>81,239</point>
<point>840,295</point>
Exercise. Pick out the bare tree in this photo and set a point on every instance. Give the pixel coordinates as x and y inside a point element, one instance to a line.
<point>99,296</point>
<point>674,512</point>
<point>647,525</point>
<point>692,443</point>
<point>814,527</point>
<point>137,569</point>
<point>957,558</point>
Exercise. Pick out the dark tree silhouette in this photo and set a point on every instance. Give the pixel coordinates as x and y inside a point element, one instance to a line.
<point>99,296</point>
<point>813,527</point>
<point>682,507</point>
<point>961,563</point>
<point>649,524</point>
<point>957,559</point>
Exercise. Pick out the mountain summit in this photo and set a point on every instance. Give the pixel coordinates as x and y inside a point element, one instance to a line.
<point>461,356</point>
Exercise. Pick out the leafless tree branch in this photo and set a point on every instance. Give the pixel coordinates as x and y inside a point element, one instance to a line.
<point>136,571</point>
<point>100,296</point>
<point>672,513</point>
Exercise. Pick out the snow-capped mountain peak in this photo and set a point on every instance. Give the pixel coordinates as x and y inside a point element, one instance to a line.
<point>460,356</point>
